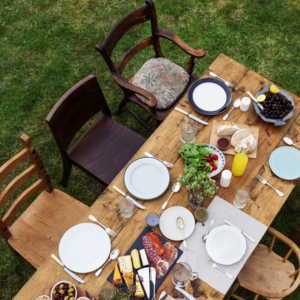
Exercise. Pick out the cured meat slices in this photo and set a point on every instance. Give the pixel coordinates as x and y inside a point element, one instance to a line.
<point>156,243</point>
<point>170,253</point>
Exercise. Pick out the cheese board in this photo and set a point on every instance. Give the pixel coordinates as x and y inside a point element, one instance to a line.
<point>214,137</point>
<point>144,268</point>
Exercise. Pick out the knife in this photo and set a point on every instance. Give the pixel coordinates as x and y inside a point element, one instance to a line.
<point>189,296</point>
<point>255,100</point>
<point>153,279</point>
<point>191,116</point>
<point>67,270</point>
<point>242,232</point>
<point>129,198</point>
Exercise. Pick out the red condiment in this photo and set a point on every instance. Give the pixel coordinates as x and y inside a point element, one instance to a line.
<point>223,143</point>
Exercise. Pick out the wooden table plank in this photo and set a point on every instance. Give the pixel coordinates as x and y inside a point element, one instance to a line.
<point>164,143</point>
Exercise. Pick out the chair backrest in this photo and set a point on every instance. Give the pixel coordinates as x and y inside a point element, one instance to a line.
<point>135,18</point>
<point>37,168</point>
<point>74,109</point>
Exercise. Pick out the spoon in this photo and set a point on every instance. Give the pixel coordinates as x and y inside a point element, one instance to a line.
<point>175,189</point>
<point>113,255</point>
<point>163,293</point>
<point>289,141</point>
<point>180,225</point>
<point>208,231</point>
<point>236,104</point>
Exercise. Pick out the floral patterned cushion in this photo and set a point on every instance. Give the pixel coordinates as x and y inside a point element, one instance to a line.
<point>163,79</point>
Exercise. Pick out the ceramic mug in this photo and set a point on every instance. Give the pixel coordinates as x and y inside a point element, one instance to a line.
<point>182,274</point>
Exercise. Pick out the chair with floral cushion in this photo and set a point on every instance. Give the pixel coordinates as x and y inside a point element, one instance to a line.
<point>159,84</point>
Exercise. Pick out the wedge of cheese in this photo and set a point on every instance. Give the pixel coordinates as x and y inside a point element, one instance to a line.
<point>139,291</point>
<point>117,277</point>
<point>145,274</point>
<point>125,264</point>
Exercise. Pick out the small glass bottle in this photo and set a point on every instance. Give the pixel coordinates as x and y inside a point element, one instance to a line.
<point>240,162</point>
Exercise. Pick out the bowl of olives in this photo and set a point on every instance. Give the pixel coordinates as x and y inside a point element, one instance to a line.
<point>277,107</point>
<point>64,290</point>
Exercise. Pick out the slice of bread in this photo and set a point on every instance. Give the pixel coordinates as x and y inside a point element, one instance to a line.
<point>250,141</point>
<point>227,128</point>
<point>239,135</point>
<point>128,277</point>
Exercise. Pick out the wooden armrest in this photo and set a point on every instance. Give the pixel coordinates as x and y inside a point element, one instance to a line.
<point>166,34</point>
<point>152,101</point>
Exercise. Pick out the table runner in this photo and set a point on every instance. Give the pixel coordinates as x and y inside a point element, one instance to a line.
<point>196,255</point>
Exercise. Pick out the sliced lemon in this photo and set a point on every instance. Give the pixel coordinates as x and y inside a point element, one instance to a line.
<point>274,89</point>
<point>261,98</point>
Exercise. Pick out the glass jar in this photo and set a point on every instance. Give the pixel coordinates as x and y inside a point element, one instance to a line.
<point>194,202</point>
<point>106,293</point>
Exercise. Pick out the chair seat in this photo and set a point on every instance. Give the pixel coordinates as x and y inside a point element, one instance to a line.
<point>105,148</point>
<point>164,79</point>
<point>266,271</point>
<point>39,229</point>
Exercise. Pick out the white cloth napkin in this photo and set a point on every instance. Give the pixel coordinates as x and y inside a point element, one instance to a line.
<point>196,255</point>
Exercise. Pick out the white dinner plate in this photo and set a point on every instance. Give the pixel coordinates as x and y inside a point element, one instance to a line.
<point>226,245</point>
<point>147,178</point>
<point>84,248</point>
<point>168,223</point>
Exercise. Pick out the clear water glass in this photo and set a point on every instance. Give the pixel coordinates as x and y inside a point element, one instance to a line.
<point>189,129</point>
<point>242,195</point>
<point>126,207</point>
<point>182,274</point>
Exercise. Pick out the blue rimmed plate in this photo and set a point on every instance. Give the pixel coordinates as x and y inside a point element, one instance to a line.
<point>285,163</point>
<point>221,160</point>
<point>209,96</point>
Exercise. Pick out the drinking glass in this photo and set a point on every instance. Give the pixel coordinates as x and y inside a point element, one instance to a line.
<point>126,207</point>
<point>188,130</point>
<point>241,196</point>
<point>182,274</point>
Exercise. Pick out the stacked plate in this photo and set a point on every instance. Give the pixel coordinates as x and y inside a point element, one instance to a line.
<point>209,96</point>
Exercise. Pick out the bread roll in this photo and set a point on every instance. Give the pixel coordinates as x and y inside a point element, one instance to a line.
<point>239,135</point>
<point>250,141</point>
<point>227,128</point>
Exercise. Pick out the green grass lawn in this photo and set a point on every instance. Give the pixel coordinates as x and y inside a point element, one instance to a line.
<point>48,46</point>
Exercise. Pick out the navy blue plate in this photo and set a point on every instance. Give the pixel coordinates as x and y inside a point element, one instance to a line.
<point>212,80</point>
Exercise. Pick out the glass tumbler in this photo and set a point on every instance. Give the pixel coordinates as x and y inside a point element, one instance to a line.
<point>182,274</point>
<point>126,207</point>
<point>242,194</point>
<point>189,129</point>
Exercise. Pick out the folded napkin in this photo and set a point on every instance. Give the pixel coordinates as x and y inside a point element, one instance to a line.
<point>196,255</point>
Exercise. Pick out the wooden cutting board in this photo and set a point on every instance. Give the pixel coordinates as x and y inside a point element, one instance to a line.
<point>214,137</point>
<point>80,292</point>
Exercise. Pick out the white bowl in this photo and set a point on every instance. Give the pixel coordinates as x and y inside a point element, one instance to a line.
<point>39,297</point>
<point>83,298</point>
<point>60,282</point>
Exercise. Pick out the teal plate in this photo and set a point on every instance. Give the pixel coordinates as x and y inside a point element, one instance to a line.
<point>285,163</point>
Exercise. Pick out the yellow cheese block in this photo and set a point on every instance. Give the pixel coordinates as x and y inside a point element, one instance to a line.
<point>117,277</point>
<point>139,291</point>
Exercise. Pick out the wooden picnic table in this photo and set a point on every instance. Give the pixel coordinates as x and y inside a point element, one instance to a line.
<point>163,143</point>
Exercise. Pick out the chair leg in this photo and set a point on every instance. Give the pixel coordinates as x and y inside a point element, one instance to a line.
<point>231,291</point>
<point>139,119</point>
<point>66,172</point>
<point>158,123</point>
<point>121,105</point>
<point>296,235</point>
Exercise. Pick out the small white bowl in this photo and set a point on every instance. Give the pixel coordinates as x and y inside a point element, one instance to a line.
<point>40,297</point>
<point>83,298</point>
<point>60,282</point>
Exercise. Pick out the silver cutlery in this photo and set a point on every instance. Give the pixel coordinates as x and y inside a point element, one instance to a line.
<point>214,265</point>
<point>108,230</point>
<point>289,141</point>
<point>185,293</point>
<point>236,104</point>
<point>254,99</point>
<point>129,198</point>
<point>208,231</point>
<point>169,165</point>
<point>67,270</point>
<point>113,255</point>
<point>180,225</point>
<point>191,116</point>
<point>226,82</point>
<point>264,181</point>
<point>242,232</point>
<point>175,189</point>
<point>153,279</point>
<point>163,293</point>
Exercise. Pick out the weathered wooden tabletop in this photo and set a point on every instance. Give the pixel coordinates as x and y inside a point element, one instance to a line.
<point>163,143</point>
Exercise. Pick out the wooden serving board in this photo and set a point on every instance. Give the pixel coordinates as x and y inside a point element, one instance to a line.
<point>80,292</point>
<point>214,137</point>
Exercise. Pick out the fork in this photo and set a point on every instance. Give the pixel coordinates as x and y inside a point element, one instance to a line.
<point>264,181</point>
<point>214,265</point>
<point>169,165</point>
<point>226,82</point>
<point>108,230</point>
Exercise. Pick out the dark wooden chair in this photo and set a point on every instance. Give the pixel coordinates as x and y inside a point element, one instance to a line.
<point>161,105</point>
<point>40,227</point>
<point>268,274</point>
<point>105,148</point>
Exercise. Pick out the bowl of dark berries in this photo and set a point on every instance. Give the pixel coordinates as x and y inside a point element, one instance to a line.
<point>278,106</point>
